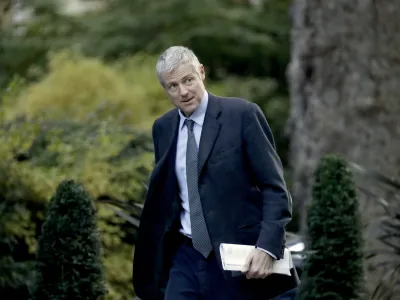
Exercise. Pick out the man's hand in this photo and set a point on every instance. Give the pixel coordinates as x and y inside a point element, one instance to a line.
<point>258,264</point>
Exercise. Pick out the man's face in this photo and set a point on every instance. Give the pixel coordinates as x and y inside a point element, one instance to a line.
<point>185,87</point>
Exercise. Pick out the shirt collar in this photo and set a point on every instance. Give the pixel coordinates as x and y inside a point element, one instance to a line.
<point>198,115</point>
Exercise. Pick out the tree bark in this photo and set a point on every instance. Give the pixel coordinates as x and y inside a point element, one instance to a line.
<point>345,94</point>
<point>344,78</point>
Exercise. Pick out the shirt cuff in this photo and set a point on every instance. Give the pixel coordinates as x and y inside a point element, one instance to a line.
<point>270,254</point>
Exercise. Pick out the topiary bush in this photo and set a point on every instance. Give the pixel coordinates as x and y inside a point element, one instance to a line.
<point>334,264</point>
<point>69,253</point>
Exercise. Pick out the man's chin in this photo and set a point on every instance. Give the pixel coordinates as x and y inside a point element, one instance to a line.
<point>187,113</point>
<point>188,109</point>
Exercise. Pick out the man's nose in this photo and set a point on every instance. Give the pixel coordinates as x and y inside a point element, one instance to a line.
<point>184,91</point>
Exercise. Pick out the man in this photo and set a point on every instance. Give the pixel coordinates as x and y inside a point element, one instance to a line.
<point>217,179</point>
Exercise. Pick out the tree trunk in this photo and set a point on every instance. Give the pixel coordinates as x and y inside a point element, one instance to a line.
<point>344,80</point>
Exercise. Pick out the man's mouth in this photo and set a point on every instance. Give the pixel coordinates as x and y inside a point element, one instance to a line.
<point>185,101</point>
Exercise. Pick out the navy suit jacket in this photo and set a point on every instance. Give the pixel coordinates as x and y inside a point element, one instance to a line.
<point>241,185</point>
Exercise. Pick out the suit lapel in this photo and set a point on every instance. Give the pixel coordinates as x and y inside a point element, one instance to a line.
<point>210,130</point>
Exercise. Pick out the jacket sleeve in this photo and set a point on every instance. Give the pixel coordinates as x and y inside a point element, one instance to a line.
<point>266,168</point>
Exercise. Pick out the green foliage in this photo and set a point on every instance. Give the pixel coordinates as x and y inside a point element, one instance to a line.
<point>69,253</point>
<point>245,40</point>
<point>84,89</point>
<point>24,46</point>
<point>334,264</point>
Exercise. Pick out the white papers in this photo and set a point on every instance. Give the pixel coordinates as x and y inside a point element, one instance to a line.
<point>234,256</point>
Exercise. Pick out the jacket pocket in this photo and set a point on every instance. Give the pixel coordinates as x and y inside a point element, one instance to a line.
<point>224,154</point>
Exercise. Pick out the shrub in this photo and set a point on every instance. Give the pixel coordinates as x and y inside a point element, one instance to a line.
<point>69,252</point>
<point>334,264</point>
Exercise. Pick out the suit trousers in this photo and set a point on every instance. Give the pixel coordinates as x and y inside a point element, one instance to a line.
<point>193,277</point>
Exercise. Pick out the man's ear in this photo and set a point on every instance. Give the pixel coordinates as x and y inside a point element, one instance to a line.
<point>202,73</point>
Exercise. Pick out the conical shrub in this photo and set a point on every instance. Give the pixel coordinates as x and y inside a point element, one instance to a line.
<point>334,265</point>
<point>69,253</point>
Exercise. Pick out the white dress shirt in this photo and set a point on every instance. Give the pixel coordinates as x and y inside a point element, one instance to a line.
<point>180,165</point>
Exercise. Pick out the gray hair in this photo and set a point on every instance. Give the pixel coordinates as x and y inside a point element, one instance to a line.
<point>173,58</point>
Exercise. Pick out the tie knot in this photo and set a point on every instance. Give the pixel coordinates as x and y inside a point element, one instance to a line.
<point>189,123</point>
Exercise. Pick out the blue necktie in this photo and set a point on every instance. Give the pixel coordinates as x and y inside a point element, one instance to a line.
<point>200,237</point>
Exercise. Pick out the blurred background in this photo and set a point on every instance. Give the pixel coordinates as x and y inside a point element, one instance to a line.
<point>79,94</point>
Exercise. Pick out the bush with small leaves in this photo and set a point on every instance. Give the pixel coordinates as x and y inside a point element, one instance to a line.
<point>69,253</point>
<point>334,265</point>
